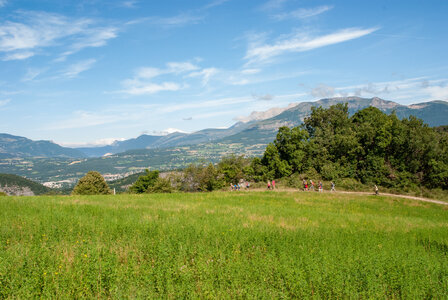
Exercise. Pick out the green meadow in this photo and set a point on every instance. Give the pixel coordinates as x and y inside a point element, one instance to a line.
<point>223,245</point>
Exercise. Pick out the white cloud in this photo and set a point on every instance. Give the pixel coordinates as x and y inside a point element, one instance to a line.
<point>129,3</point>
<point>303,13</point>
<point>215,3</point>
<point>35,31</point>
<point>273,5</point>
<point>143,81</point>
<point>92,38</point>
<point>438,92</point>
<point>323,91</point>
<point>73,70</point>
<point>302,42</point>
<point>4,102</point>
<point>206,74</point>
<point>176,21</point>
<point>31,74</point>
<point>250,71</point>
<point>18,55</point>
<point>96,143</point>
<point>151,88</point>
<point>266,97</point>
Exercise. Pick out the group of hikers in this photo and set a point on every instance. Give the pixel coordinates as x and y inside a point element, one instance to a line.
<point>237,187</point>
<point>306,186</point>
<point>310,187</point>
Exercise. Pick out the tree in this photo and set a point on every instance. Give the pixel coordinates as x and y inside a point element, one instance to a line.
<point>92,184</point>
<point>161,185</point>
<point>144,182</point>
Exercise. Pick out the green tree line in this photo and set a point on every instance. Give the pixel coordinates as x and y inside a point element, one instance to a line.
<point>369,147</point>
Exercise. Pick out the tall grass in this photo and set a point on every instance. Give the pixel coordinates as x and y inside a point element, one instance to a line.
<point>226,245</point>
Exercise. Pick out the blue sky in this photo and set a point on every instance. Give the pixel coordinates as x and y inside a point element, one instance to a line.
<point>93,71</point>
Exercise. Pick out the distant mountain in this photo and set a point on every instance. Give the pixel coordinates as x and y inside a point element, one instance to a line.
<point>260,129</point>
<point>17,146</point>
<point>434,113</point>
<point>171,140</point>
<point>19,186</point>
<point>142,142</point>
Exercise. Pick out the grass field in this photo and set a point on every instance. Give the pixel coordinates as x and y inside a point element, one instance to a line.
<point>226,245</point>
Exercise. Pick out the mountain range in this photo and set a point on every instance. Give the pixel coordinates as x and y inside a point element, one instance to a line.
<point>258,129</point>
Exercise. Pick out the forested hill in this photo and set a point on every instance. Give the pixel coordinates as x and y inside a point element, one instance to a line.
<point>17,146</point>
<point>16,185</point>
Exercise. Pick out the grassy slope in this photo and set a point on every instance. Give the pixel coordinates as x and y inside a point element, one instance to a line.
<point>256,244</point>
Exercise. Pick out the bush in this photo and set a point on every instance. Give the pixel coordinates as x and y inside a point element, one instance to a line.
<point>3,194</point>
<point>144,182</point>
<point>92,184</point>
<point>161,185</point>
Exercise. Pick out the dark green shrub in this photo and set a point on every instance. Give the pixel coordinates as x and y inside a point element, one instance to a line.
<point>92,184</point>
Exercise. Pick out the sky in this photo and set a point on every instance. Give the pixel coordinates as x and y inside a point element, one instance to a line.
<point>90,72</point>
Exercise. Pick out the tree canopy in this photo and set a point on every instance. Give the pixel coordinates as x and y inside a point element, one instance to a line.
<point>92,184</point>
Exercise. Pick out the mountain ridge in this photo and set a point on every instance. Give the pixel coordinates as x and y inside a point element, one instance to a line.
<point>254,132</point>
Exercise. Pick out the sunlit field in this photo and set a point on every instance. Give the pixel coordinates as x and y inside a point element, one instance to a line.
<point>223,244</point>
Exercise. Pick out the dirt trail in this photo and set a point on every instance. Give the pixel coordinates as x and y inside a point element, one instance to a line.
<point>362,193</point>
<point>399,196</point>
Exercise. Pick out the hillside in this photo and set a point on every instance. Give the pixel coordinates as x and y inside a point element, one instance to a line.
<point>16,185</point>
<point>17,146</point>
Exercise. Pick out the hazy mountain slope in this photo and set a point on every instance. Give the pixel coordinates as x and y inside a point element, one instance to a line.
<point>433,113</point>
<point>16,185</point>
<point>171,140</point>
<point>17,146</point>
<point>141,142</point>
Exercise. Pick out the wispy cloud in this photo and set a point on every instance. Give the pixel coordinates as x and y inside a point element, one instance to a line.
<point>18,55</point>
<point>129,3</point>
<point>323,91</point>
<point>32,74</point>
<point>3,2</point>
<point>302,42</point>
<point>266,97</point>
<point>303,13</point>
<point>250,71</point>
<point>143,81</point>
<point>273,5</point>
<point>34,31</point>
<point>175,21</point>
<point>206,74</point>
<point>75,69</point>
<point>411,90</point>
<point>215,3</point>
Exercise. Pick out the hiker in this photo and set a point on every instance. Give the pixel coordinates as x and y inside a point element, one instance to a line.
<point>333,187</point>
<point>311,185</point>
<point>321,188</point>
<point>305,185</point>
<point>231,186</point>
<point>269,185</point>
<point>376,190</point>
<point>273,184</point>
<point>247,185</point>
